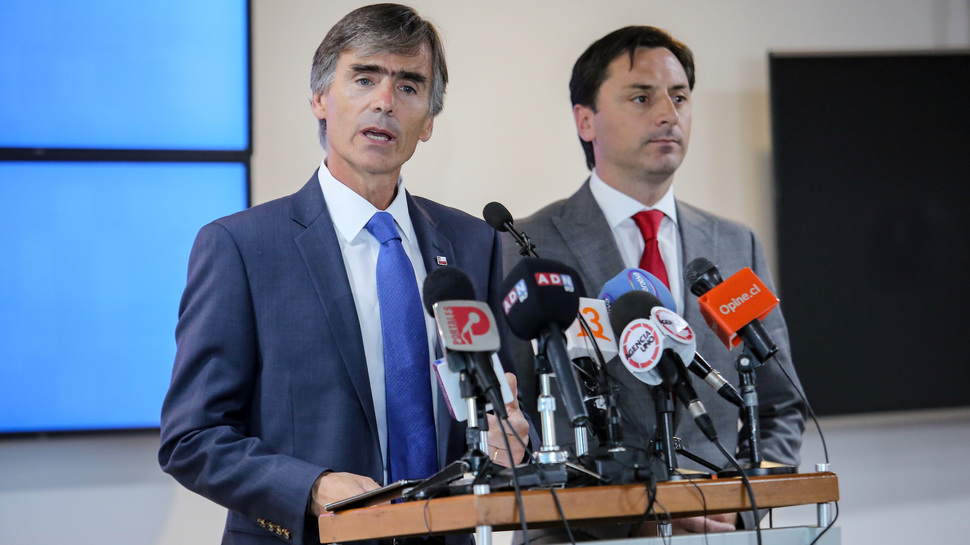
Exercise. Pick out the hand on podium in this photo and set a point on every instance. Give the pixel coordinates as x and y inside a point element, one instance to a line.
<point>724,522</point>
<point>516,426</point>
<point>332,486</point>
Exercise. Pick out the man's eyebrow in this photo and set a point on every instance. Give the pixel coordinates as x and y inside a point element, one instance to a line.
<point>378,69</point>
<point>647,87</point>
<point>642,86</point>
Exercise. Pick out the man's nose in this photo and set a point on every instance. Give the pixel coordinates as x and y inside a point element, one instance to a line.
<point>666,111</point>
<point>383,100</point>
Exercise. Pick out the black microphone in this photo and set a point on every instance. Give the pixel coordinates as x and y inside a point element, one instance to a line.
<point>466,329</point>
<point>713,378</point>
<point>542,301</point>
<point>702,276</point>
<point>499,217</point>
<point>636,311</point>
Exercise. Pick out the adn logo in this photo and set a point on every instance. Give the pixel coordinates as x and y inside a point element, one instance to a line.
<point>555,279</point>
<point>519,292</point>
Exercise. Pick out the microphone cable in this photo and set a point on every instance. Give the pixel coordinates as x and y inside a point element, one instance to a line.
<point>808,406</point>
<point>544,483</point>
<point>821,436</point>
<point>747,485</point>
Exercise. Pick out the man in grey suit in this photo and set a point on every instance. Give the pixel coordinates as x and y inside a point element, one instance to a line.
<point>281,397</point>
<point>631,96</point>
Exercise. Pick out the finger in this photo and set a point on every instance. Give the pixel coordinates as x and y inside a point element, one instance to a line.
<point>367,484</point>
<point>697,525</point>
<point>689,525</point>
<point>514,386</point>
<point>714,525</point>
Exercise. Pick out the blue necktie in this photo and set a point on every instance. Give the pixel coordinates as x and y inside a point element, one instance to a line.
<point>411,447</point>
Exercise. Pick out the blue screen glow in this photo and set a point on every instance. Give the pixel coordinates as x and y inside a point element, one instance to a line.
<point>120,74</point>
<point>92,266</point>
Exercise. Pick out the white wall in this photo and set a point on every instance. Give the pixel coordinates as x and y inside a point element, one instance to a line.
<point>506,134</point>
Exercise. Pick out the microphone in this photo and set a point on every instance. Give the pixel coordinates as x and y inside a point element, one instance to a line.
<point>542,300</point>
<point>590,353</point>
<point>466,330</point>
<point>639,279</point>
<point>639,342</point>
<point>636,279</point>
<point>499,217</point>
<point>642,342</point>
<point>733,308</point>
<point>682,339</point>
<point>579,344</point>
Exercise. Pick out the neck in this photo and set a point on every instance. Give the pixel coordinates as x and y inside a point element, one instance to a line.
<point>647,190</point>
<point>378,189</point>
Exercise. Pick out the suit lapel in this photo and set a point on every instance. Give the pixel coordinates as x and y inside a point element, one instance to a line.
<point>433,243</point>
<point>698,238</point>
<point>321,252</point>
<point>588,236</point>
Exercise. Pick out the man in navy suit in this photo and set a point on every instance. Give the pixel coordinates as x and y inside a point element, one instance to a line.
<point>277,403</point>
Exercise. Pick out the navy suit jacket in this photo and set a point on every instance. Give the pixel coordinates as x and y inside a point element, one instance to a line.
<point>270,386</point>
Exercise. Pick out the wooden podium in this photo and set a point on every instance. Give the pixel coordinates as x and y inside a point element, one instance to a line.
<point>587,505</point>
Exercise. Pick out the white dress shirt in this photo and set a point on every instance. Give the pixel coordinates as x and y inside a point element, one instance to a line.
<point>350,213</point>
<point>619,208</point>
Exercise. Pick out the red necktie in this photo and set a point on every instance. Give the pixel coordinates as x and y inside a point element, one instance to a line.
<point>649,222</point>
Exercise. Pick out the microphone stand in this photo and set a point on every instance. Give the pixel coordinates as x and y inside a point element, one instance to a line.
<point>745,365</point>
<point>611,462</point>
<point>474,467</point>
<point>665,444</point>
<point>550,458</point>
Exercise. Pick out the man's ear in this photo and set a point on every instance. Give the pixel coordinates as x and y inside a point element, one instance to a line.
<point>428,129</point>
<point>584,122</point>
<point>318,103</point>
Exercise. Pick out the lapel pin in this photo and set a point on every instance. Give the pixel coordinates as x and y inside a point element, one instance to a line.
<point>442,260</point>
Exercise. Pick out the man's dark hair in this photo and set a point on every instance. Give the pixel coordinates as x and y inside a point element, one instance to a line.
<point>592,67</point>
<point>376,29</point>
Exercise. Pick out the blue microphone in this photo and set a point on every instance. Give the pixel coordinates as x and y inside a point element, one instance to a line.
<point>636,280</point>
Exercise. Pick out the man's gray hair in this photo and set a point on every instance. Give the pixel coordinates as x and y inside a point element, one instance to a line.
<point>376,29</point>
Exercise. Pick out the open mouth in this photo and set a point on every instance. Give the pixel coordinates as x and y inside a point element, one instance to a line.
<point>378,135</point>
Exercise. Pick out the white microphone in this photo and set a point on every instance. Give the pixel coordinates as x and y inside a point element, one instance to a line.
<point>653,359</point>
<point>467,333</point>
<point>640,348</point>
<point>684,342</point>
<point>449,382</point>
<point>579,344</point>
<point>470,339</point>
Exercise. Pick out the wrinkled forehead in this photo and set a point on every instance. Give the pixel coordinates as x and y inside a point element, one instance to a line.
<point>416,68</point>
<point>372,48</point>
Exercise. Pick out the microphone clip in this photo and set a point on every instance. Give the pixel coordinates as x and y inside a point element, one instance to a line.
<point>526,247</point>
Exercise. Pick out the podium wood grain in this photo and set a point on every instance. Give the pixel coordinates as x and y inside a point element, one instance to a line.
<point>587,505</point>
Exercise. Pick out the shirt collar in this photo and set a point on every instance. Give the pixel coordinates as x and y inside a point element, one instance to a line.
<point>350,211</point>
<point>618,206</point>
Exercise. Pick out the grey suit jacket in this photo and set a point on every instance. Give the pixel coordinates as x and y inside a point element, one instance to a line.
<point>575,232</point>
<point>270,387</point>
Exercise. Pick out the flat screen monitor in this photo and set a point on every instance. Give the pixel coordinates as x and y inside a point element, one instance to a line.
<point>93,262</point>
<point>119,74</point>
